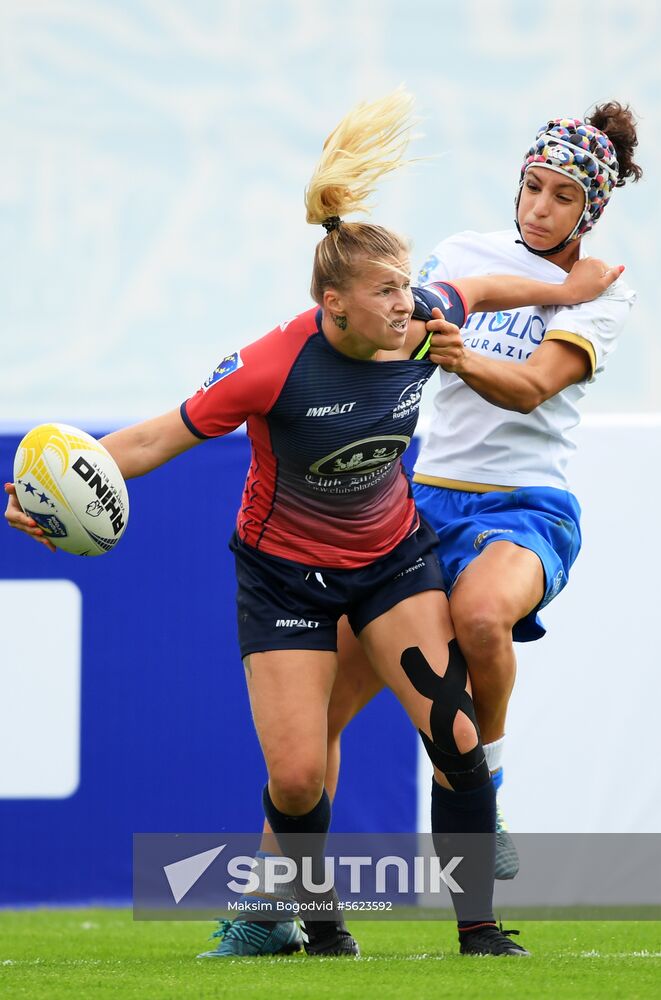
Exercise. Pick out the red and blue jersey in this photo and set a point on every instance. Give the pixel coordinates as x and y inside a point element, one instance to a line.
<point>326,486</point>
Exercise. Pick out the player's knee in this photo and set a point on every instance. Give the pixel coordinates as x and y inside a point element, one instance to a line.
<point>482,627</point>
<point>453,745</point>
<point>296,787</point>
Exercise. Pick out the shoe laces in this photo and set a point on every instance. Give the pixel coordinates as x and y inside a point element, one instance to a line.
<point>507,933</point>
<point>223,927</point>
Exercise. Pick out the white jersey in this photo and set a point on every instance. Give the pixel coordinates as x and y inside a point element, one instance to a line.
<point>471,441</point>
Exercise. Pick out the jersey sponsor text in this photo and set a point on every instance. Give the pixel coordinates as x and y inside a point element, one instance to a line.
<point>296,623</point>
<point>330,411</point>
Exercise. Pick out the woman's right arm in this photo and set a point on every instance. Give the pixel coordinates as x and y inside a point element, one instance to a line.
<point>137,450</point>
<point>143,447</point>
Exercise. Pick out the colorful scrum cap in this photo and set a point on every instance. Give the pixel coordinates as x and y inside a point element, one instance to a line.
<point>570,146</point>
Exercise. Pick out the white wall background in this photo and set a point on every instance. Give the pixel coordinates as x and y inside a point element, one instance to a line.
<point>155,154</point>
<point>584,718</point>
<point>582,748</point>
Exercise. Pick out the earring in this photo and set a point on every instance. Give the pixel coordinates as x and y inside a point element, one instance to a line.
<point>340,321</point>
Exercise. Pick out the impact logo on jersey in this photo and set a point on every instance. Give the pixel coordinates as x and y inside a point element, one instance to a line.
<point>228,365</point>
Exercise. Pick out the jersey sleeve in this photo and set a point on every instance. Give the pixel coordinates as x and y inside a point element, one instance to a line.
<point>244,384</point>
<point>594,326</point>
<point>439,295</point>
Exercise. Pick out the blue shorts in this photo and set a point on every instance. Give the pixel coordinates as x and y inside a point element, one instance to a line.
<point>542,519</point>
<point>285,605</point>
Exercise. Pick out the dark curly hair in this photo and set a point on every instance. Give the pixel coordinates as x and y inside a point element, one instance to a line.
<point>619,123</point>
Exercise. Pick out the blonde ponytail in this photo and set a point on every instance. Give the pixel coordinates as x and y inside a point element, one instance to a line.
<point>369,142</point>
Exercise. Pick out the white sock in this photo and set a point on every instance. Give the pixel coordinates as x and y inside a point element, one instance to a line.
<point>494,754</point>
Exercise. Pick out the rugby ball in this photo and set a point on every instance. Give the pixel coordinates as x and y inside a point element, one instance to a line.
<point>70,485</point>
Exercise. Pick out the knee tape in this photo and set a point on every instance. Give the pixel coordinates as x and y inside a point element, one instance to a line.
<point>448,696</point>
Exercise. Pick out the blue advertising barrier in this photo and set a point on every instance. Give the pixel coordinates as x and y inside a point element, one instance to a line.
<point>166,741</point>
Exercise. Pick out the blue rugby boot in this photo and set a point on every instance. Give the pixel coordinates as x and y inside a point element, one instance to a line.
<point>242,938</point>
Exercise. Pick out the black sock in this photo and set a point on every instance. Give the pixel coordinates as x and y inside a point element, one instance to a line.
<point>290,831</point>
<point>315,821</point>
<point>463,825</point>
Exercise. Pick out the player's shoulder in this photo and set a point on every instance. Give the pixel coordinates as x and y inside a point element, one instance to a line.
<point>619,291</point>
<point>469,239</point>
<point>616,301</point>
<point>603,315</point>
<point>286,338</point>
<point>251,378</point>
<point>471,252</point>
<point>300,326</point>
<point>266,360</point>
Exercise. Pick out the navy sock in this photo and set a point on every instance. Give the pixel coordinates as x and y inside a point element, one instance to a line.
<point>463,825</point>
<point>290,831</point>
<point>315,821</point>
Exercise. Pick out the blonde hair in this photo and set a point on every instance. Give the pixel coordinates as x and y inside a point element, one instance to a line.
<point>369,142</point>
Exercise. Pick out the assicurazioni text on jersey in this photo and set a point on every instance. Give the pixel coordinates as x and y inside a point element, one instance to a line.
<point>326,486</point>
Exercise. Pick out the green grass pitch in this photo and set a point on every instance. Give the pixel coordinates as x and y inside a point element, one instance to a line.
<point>102,953</point>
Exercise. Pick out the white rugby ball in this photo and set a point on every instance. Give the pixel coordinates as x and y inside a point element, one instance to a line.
<point>70,485</point>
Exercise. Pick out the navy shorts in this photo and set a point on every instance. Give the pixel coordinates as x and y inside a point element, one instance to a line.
<point>539,518</point>
<point>286,605</point>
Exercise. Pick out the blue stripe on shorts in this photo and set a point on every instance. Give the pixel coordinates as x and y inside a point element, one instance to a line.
<point>542,519</point>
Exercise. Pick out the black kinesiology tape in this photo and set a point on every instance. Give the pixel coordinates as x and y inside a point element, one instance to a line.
<point>448,696</point>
